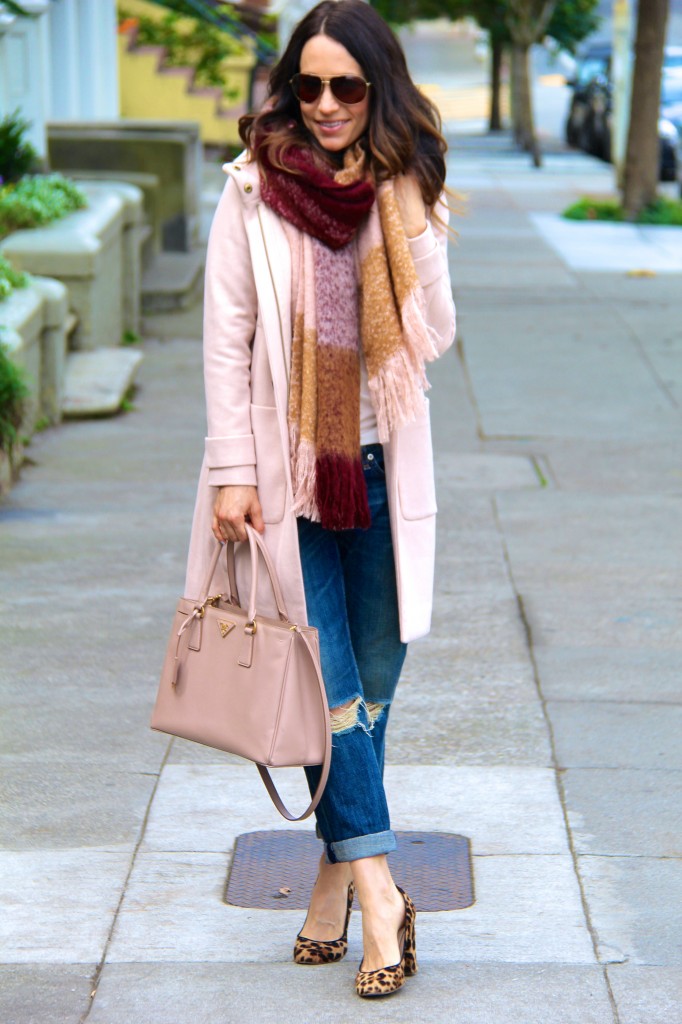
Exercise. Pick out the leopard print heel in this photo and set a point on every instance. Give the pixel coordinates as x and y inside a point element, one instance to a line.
<point>409,958</point>
<point>317,951</point>
<point>387,980</point>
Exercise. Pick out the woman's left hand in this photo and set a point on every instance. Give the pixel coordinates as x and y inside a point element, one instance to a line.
<point>411,204</point>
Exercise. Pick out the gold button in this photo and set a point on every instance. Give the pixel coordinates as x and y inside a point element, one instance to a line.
<point>248,188</point>
<point>237,167</point>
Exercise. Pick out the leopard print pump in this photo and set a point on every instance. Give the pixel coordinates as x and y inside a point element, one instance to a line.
<point>387,980</point>
<point>317,951</point>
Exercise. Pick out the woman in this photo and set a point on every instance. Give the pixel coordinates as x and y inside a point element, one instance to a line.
<point>326,291</point>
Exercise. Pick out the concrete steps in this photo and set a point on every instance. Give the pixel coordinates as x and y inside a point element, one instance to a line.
<point>96,382</point>
<point>172,281</point>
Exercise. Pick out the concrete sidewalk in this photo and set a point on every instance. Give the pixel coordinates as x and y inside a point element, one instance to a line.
<point>541,719</point>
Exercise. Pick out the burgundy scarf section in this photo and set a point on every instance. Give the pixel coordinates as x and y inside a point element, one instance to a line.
<point>308,197</point>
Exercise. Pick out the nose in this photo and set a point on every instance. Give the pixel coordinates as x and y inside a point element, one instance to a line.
<point>327,101</point>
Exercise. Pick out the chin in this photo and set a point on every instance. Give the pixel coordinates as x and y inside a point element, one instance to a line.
<point>335,145</point>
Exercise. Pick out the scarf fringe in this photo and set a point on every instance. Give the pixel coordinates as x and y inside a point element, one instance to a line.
<point>419,336</point>
<point>341,493</point>
<point>397,394</point>
<point>303,476</point>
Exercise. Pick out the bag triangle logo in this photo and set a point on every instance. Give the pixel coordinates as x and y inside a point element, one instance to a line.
<point>225,627</point>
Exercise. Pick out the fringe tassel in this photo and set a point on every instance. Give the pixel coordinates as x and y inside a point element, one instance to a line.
<point>341,493</point>
<point>397,394</point>
<point>419,336</point>
<point>303,476</point>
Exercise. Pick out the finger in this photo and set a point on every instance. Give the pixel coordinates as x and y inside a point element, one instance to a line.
<point>257,518</point>
<point>235,528</point>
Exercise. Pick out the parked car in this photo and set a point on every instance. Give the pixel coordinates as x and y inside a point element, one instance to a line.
<point>592,62</point>
<point>592,121</point>
<point>670,122</point>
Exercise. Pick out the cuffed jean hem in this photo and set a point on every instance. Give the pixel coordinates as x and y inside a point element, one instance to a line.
<point>360,846</point>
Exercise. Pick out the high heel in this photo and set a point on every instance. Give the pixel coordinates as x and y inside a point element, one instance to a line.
<point>319,951</point>
<point>387,980</point>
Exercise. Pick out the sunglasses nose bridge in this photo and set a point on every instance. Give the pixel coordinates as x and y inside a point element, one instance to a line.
<point>327,95</point>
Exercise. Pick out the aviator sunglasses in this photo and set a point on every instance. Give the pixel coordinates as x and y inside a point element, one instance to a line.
<point>347,89</point>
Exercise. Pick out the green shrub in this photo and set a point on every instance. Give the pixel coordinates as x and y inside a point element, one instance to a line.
<point>595,209</point>
<point>201,46</point>
<point>663,211</point>
<point>10,278</point>
<point>37,200</point>
<point>13,394</point>
<point>17,157</point>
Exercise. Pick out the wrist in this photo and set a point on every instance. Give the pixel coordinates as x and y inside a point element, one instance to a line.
<point>415,228</point>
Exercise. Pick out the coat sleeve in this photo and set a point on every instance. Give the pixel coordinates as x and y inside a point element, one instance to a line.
<point>430,254</point>
<point>230,311</point>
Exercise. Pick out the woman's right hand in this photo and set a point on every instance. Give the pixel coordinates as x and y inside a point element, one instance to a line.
<point>234,505</point>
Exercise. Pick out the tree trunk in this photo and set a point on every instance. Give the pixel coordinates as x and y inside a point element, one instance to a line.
<point>514,91</point>
<point>642,157</point>
<point>496,54</point>
<point>524,126</point>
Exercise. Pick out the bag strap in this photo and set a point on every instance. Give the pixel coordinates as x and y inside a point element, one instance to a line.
<point>265,774</point>
<point>257,544</point>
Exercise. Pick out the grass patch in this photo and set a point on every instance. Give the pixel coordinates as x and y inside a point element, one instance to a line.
<point>664,211</point>
<point>128,400</point>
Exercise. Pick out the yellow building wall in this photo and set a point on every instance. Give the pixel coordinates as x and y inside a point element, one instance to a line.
<point>147,92</point>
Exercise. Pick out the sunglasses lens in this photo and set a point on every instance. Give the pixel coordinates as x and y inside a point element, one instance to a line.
<point>346,88</point>
<point>349,88</point>
<point>307,88</point>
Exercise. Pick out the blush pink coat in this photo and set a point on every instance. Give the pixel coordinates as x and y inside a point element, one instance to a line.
<point>247,342</point>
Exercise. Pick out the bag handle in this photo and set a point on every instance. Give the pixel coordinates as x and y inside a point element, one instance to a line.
<point>256,544</point>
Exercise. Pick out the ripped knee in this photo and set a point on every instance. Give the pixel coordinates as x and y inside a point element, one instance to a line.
<point>349,716</point>
<point>375,711</point>
<point>355,714</point>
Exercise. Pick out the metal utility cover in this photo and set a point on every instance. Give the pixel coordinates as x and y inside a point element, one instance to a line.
<point>276,870</point>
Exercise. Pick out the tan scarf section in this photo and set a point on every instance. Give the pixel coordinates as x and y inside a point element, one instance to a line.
<point>368,292</point>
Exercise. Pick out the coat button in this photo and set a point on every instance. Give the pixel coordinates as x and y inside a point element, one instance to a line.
<point>370,457</point>
<point>248,188</point>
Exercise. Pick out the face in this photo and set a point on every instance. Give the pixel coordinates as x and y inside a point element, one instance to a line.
<point>333,124</point>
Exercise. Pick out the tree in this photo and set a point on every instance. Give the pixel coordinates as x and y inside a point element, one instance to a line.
<point>573,21</point>
<point>527,21</point>
<point>640,178</point>
<point>513,25</point>
<point>570,22</point>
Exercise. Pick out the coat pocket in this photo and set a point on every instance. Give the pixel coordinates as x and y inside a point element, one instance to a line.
<point>270,472</point>
<point>414,468</point>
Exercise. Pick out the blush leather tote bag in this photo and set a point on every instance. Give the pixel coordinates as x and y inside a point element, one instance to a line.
<point>243,683</point>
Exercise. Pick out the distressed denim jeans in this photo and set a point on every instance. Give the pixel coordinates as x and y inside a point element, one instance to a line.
<point>351,597</point>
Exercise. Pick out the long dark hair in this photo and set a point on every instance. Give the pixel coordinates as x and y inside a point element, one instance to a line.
<point>404,133</point>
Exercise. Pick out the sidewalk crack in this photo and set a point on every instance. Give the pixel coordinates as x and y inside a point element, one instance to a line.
<point>558,775</point>
<point>100,966</point>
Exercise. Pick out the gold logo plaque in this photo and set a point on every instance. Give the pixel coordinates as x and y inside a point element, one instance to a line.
<point>225,627</point>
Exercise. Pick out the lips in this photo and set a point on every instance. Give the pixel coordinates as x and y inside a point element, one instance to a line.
<point>331,127</point>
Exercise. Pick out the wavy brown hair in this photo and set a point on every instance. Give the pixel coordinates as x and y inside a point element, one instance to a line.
<point>404,132</point>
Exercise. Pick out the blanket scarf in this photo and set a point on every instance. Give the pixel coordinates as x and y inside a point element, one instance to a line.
<point>354,286</point>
